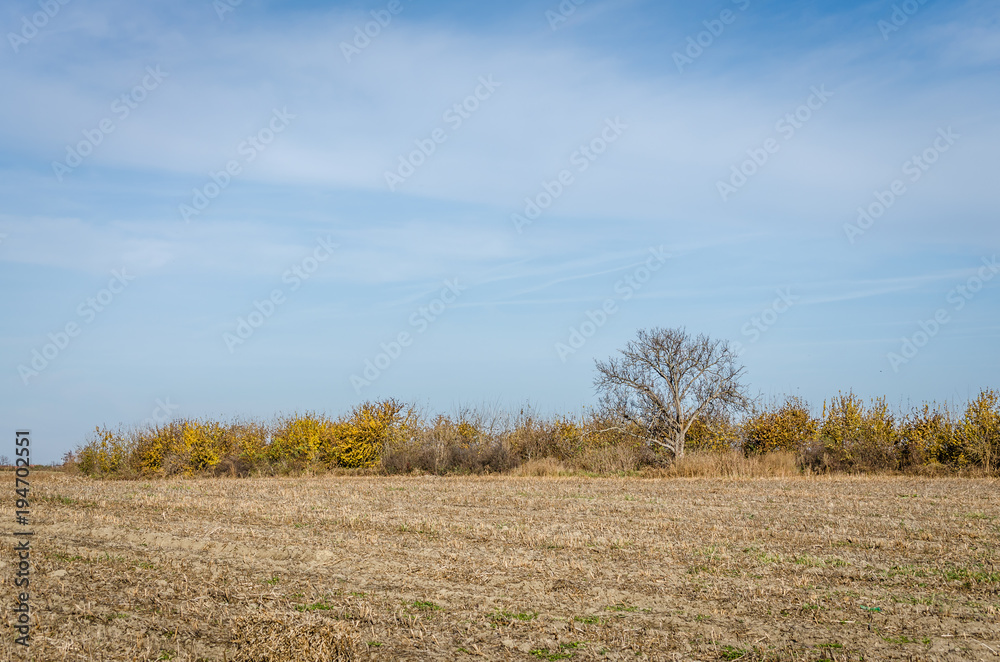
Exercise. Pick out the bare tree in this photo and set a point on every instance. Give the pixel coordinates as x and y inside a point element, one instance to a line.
<point>665,379</point>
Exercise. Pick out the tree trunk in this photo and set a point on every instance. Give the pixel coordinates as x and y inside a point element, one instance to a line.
<point>679,445</point>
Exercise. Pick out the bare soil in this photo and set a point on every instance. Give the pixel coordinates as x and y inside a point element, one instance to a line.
<point>511,568</point>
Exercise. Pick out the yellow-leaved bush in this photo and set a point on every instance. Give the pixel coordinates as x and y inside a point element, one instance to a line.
<point>928,439</point>
<point>296,443</point>
<point>715,434</point>
<point>388,436</point>
<point>859,437</point>
<point>788,428</point>
<point>106,454</point>
<point>360,440</point>
<point>979,430</point>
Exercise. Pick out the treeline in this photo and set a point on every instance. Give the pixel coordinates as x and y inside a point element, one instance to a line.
<point>850,435</point>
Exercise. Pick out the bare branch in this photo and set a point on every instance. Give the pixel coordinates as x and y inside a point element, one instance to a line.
<point>665,379</point>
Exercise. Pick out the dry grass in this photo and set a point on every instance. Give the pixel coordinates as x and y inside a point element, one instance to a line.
<point>544,467</point>
<point>516,568</point>
<point>736,465</point>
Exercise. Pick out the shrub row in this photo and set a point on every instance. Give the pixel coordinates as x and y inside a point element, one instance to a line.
<point>381,436</point>
<point>292,444</point>
<point>853,436</point>
<point>388,436</point>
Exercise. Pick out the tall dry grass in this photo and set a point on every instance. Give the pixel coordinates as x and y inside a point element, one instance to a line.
<point>734,464</point>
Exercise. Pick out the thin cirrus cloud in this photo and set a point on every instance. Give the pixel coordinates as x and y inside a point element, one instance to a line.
<point>398,89</point>
<point>325,176</point>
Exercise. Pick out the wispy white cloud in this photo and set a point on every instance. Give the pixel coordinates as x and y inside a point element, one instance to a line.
<point>354,120</point>
<point>451,219</point>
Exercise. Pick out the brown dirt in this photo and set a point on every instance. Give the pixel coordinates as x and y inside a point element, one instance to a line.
<point>512,568</point>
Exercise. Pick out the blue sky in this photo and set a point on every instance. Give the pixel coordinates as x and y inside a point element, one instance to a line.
<point>628,132</point>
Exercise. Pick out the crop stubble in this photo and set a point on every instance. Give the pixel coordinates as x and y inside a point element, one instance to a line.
<point>496,568</point>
